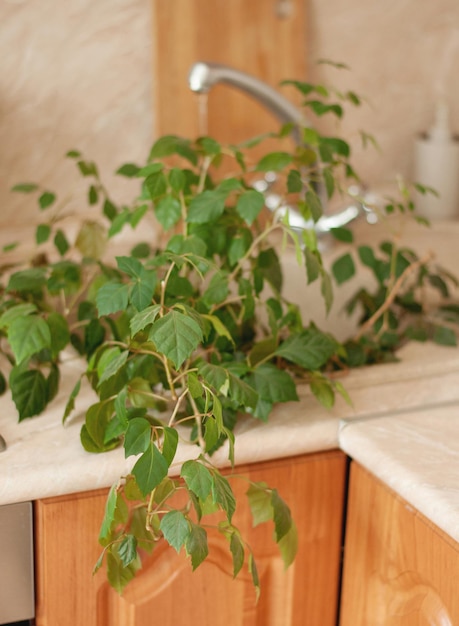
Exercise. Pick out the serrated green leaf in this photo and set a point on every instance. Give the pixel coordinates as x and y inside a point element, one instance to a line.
<point>29,390</point>
<point>42,233</point>
<point>137,437</point>
<point>252,567</point>
<point>97,418</point>
<point>20,310</point>
<point>176,335</point>
<point>112,297</point>
<point>127,549</point>
<point>343,269</point>
<point>144,318</point>
<point>119,576</point>
<point>27,336</point>
<point>223,495</point>
<point>170,443</point>
<point>323,390</point>
<point>218,289</point>
<point>294,182</point>
<point>46,199</point>
<point>196,545</point>
<point>326,289</point>
<point>69,407</point>
<point>288,545</point>
<point>177,179</point>
<point>206,207</point>
<point>111,361</point>
<point>156,185</point>
<point>273,384</point>
<point>59,332</point>
<point>116,512</point>
<point>25,187</point>
<point>171,144</point>
<point>175,528</point>
<point>237,552</point>
<point>168,212</point>
<point>150,469</point>
<point>259,497</point>
<point>61,242</point>
<point>29,280</point>
<point>313,265</point>
<point>91,240</point>
<point>249,205</point>
<point>198,478</point>
<point>227,384</point>
<point>281,515</point>
<point>128,169</point>
<point>310,348</point>
<point>314,205</point>
<point>274,161</point>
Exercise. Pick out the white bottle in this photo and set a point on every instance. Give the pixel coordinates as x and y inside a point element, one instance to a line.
<point>436,165</point>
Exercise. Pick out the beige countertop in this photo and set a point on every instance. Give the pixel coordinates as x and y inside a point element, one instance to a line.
<point>403,427</point>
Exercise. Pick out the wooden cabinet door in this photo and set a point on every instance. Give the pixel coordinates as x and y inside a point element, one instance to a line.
<point>167,592</point>
<point>399,569</point>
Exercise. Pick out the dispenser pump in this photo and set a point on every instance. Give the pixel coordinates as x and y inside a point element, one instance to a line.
<point>440,131</point>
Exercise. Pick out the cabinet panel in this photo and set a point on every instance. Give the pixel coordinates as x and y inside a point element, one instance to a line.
<point>265,39</point>
<point>399,569</point>
<point>306,593</point>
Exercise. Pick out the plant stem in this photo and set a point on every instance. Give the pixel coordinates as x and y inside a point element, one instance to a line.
<point>392,295</point>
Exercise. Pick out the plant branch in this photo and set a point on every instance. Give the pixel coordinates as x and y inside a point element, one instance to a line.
<point>393,294</point>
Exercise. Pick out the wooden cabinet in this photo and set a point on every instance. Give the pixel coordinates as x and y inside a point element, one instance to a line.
<point>399,569</point>
<point>167,592</point>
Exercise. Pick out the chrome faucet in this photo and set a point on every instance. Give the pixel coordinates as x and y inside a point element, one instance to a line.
<point>203,76</point>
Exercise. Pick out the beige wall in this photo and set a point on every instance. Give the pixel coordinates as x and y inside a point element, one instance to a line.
<point>73,74</point>
<point>78,74</point>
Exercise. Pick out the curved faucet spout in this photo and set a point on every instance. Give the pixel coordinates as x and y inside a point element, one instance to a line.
<point>203,76</point>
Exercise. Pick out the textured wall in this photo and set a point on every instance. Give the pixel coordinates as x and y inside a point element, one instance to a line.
<point>404,56</point>
<point>72,75</point>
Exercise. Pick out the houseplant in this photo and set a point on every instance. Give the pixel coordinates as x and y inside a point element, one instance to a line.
<point>181,339</point>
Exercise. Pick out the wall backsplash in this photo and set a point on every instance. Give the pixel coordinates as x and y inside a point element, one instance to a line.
<point>73,75</point>
<point>79,75</point>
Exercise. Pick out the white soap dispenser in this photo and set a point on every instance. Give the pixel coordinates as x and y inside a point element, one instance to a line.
<point>436,165</point>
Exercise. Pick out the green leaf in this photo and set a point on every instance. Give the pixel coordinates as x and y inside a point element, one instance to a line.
<point>59,332</point>
<point>254,573</point>
<point>176,335</point>
<point>168,211</point>
<point>46,199</point>
<point>93,431</point>
<point>270,268</point>
<point>20,310</point>
<point>218,289</point>
<point>310,348</point>
<point>281,515</point>
<point>128,169</point>
<point>223,495</point>
<point>29,390</point>
<point>111,361</point>
<point>117,575</point>
<point>288,545</point>
<point>156,185</point>
<point>112,297</point>
<point>127,549</point>
<point>138,436</point>
<point>196,545</point>
<point>343,268</point>
<point>206,207</point>
<point>69,407</point>
<point>444,336</point>
<point>30,280</point>
<point>91,240</point>
<point>323,390</point>
<point>116,512</point>
<point>171,144</point>
<point>175,529</point>
<point>237,552</point>
<point>150,469</point>
<point>314,204</point>
<point>88,168</point>
<point>25,187</point>
<point>320,108</point>
<point>27,336</point>
<point>342,234</point>
<point>273,384</point>
<point>170,443</point>
<point>249,205</point>
<point>274,161</point>
<point>42,233</point>
<point>259,497</point>
<point>294,182</point>
<point>198,478</point>
<point>367,256</point>
<point>227,384</point>
<point>313,265</point>
<point>177,179</point>
<point>144,318</point>
<point>61,243</point>
<point>326,290</point>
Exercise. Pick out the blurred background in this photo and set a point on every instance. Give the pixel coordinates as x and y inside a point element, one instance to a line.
<point>91,75</point>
